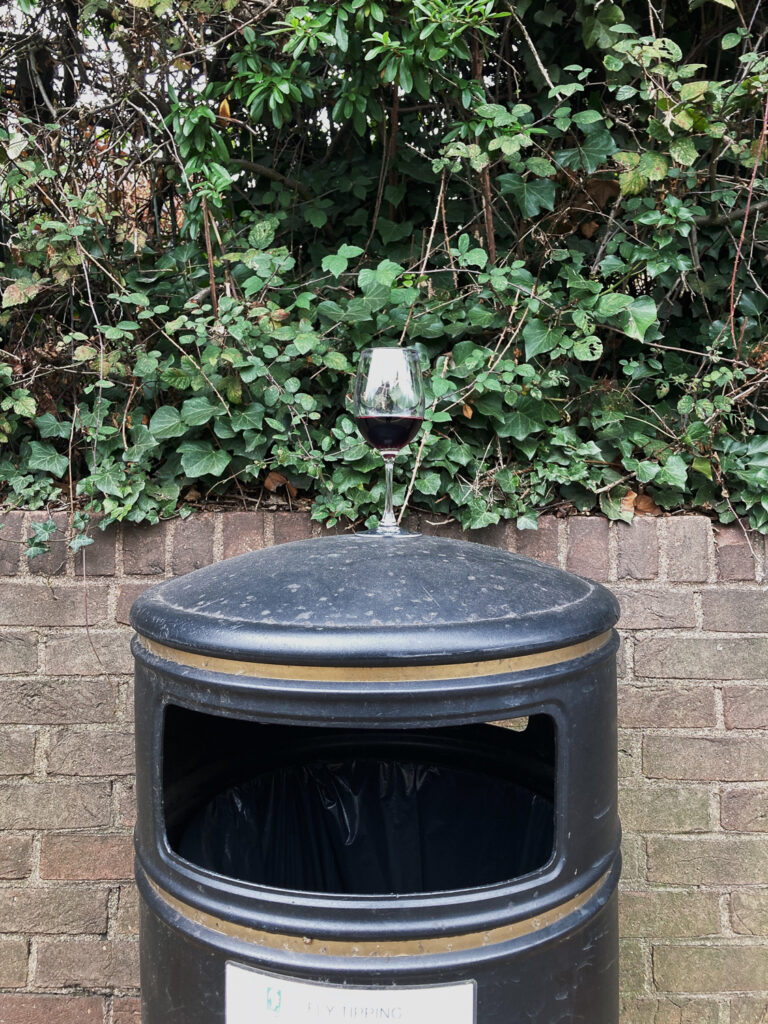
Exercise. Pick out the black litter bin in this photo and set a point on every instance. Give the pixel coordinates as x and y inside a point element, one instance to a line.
<point>376,781</point>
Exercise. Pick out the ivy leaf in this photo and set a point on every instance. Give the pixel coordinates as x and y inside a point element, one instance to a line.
<point>531,196</point>
<point>45,457</point>
<point>335,265</point>
<point>639,317</point>
<point>428,483</point>
<point>539,338</point>
<point>49,426</point>
<point>674,473</point>
<point>516,424</point>
<point>612,303</point>
<point>200,458</point>
<point>250,418</point>
<point>703,466</point>
<point>80,541</point>
<point>167,422</point>
<point>197,411</point>
<point>110,478</point>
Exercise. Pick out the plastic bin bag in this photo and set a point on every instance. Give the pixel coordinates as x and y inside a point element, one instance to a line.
<point>371,826</point>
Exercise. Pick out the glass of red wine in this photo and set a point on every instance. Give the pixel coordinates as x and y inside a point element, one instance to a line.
<point>389,409</point>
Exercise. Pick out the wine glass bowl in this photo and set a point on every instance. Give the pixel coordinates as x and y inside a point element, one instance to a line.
<point>389,410</point>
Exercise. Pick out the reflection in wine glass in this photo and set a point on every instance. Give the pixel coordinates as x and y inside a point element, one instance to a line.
<point>389,410</point>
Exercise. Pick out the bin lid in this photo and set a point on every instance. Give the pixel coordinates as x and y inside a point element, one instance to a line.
<point>367,600</point>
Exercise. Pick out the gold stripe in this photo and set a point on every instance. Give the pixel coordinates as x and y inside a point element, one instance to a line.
<point>396,947</point>
<point>383,674</point>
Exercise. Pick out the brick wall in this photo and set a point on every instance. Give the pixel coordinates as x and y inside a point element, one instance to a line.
<point>693,756</point>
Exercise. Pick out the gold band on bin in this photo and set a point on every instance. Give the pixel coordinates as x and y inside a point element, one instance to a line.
<point>390,948</point>
<point>378,674</point>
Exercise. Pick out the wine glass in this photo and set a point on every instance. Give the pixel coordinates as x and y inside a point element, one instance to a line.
<point>389,409</point>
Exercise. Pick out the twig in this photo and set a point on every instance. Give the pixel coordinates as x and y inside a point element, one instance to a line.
<point>758,156</point>
<point>531,47</point>
<point>209,250</point>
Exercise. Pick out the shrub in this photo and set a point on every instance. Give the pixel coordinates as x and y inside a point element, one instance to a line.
<point>235,198</point>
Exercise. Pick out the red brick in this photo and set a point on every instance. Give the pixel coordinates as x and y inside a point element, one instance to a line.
<point>126,595</point>
<point>33,1009</point>
<point>17,751</point>
<point>14,956</point>
<point>144,549</point>
<point>721,968</point>
<point>88,654</point>
<point>681,657</point>
<point>15,856</point>
<point>708,860</point>
<point>649,1010</point>
<point>732,758</point>
<point>745,707</point>
<point>93,751</point>
<point>126,803</point>
<point>127,922</point>
<point>95,857</point>
<point>675,705</point>
<point>90,963</point>
<point>499,535</point>
<point>243,532</point>
<point>192,543</point>
<point>644,608</point>
<point>37,604</point>
<point>18,653</point>
<point>53,910</point>
<point>749,912</point>
<point>541,544</point>
<point>47,805</point>
<point>126,1011</point>
<point>633,966</point>
<point>659,808</point>
<point>588,547</point>
<point>687,548</point>
<point>668,914</point>
<point>11,542</point>
<point>51,700</point>
<point>735,560</point>
<point>290,526</point>
<point>749,1010</point>
<point>98,559</point>
<point>735,611</point>
<point>638,549</point>
<point>744,810</point>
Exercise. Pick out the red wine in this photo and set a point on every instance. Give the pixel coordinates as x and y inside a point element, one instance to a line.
<point>389,433</point>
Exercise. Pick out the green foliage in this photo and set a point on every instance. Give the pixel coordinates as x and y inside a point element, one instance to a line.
<point>571,248</point>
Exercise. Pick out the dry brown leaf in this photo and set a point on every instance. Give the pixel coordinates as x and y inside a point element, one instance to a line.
<point>628,502</point>
<point>274,480</point>
<point>602,190</point>
<point>588,228</point>
<point>467,410</point>
<point>646,506</point>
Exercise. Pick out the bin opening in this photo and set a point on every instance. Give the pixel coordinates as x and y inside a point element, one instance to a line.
<point>359,811</point>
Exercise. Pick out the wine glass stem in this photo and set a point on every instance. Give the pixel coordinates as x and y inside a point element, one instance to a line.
<point>388,519</point>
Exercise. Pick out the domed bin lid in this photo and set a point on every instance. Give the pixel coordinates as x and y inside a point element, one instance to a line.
<point>368,601</point>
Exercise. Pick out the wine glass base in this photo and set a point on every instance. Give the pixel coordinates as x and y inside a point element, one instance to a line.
<point>387,531</point>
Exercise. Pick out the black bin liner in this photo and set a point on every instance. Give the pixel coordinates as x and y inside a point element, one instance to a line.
<point>371,825</point>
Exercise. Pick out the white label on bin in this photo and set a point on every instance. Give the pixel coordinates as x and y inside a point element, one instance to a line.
<point>254,998</point>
